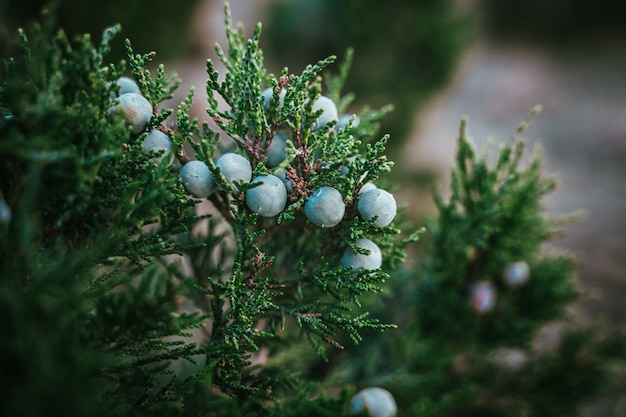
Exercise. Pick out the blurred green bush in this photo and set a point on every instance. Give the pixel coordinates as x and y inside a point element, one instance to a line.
<point>404,50</point>
<point>156,25</point>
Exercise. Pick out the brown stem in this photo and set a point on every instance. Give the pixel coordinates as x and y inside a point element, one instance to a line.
<point>221,206</point>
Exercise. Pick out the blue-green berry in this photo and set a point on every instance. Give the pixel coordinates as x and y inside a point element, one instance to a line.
<point>516,274</point>
<point>197,179</point>
<point>370,261</point>
<point>135,109</point>
<point>345,169</point>
<point>483,296</point>
<point>283,177</point>
<point>269,198</point>
<point>235,168</point>
<point>344,120</point>
<point>325,207</point>
<point>366,187</point>
<point>377,401</point>
<point>268,94</point>
<point>5,211</point>
<point>127,85</point>
<point>329,112</point>
<point>377,203</point>
<point>277,151</point>
<point>158,142</point>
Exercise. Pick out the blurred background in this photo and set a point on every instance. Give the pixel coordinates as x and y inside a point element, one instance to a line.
<point>436,61</point>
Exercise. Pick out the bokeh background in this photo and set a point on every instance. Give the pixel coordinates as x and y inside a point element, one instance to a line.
<point>436,61</point>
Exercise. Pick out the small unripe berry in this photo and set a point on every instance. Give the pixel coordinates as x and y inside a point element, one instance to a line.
<point>516,274</point>
<point>158,142</point>
<point>325,207</point>
<point>377,401</point>
<point>234,167</point>
<point>372,260</point>
<point>197,179</point>
<point>377,203</point>
<point>483,297</point>
<point>329,112</point>
<point>269,198</point>
<point>343,169</point>
<point>135,109</point>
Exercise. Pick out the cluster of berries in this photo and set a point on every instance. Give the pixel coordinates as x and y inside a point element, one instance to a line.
<point>137,111</point>
<point>483,293</point>
<point>325,206</point>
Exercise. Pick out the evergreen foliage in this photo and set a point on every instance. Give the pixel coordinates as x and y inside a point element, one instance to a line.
<point>453,357</point>
<point>93,218</point>
<point>121,294</point>
<point>161,26</point>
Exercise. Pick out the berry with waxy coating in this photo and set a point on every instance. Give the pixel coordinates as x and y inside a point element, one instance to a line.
<point>127,85</point>
<point>269,198</point>
<point>325,207</point>
<point>277,151</point>
<point>157,142</point>
<point>135,109</point>
<point>516,274</point>
<point>377,203</point>
<point>370,261</point>
<point>5,212</point>
<point>344,120</point>
<point>197,179</point>
<point>366,187</point>
<point>329,112</point>
<point>483,296</point>
<point>234,167</point>
<point>377,401</point>
<point>268,94</point>
<point>283,177</point>
<point>345,169</point>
